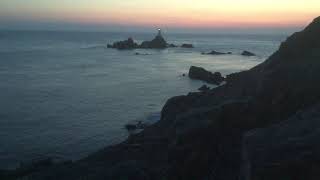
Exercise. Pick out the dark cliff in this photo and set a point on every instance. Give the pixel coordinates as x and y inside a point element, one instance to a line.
<point>244,129</point>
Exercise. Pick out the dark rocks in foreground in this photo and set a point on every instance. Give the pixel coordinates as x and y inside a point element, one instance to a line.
<point>287,150</point>
<point>247,53</point>
<point>32,167</point>
<point>204,75</point>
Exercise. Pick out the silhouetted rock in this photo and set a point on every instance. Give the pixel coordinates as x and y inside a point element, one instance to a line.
<point>216,53</point>
<point>137,53</point>
<point>247,53</point>
<point>202,74</point>
<point>287,149</point>
<point>138,125</point>
<point>157,43</point>
<point>127,44</point>
<point>172,45</point>
<point>187,46</point>
<point>204,88</point>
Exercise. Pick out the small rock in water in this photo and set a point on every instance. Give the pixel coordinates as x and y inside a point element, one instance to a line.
<point>247,53</point>
<point>215,53</point>
<point>137,53</point>
<point>187,46</point>
<point>133,127</point>
<point>204,75</point>
<point>171,46</point>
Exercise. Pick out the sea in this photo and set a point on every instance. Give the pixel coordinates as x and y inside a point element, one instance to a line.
<point>65,95</point>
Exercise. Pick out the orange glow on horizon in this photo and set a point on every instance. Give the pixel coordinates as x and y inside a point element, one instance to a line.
<point>169,13</point>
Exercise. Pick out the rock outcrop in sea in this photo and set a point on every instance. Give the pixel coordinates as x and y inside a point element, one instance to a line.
<point>247,53</point>
<point>216,53</point>
<point>187,46</point>
<point>262,124</point>
<point>204,75</point>
<point>157,43</point>
<point>127,44</point>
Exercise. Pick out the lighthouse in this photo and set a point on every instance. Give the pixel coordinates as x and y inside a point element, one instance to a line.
<point>159,32</point>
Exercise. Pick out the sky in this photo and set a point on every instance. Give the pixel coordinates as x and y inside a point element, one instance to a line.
<point>149,14</point>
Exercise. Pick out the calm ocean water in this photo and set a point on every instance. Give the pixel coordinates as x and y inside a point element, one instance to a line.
<point>64,95</point>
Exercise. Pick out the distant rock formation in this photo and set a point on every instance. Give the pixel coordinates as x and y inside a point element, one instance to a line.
<point>204,75</point>
<point>187,46</point>
<point>216,53</point>
<point>137,53</point>
<point>247,53</point>
<point>127,44</point>
<point>157,43</point>
<point>171,46</point>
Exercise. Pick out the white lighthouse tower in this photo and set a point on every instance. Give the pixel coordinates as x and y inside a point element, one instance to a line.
<point>159,32</point>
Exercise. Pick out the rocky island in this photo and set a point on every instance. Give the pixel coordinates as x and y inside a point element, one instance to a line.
<point>157,43</point>
<point>264,123</point>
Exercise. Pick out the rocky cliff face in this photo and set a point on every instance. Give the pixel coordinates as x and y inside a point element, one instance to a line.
<point>262,122</point>
<point>286,150</point>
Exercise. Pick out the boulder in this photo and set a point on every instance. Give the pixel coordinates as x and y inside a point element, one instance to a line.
<point>216,53</point>
<point>171,45</point>
<point>137,53</point>
<point>247,53</point>
<point>204,75</point>
<point>135,126</point>
<point>187,46</point>
<point>204,88</point>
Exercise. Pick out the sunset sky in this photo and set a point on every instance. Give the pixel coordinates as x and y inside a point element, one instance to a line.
<point>208,14</point>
